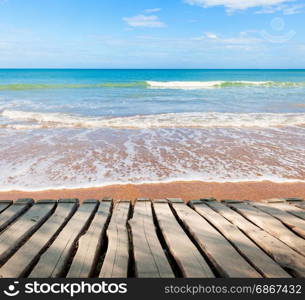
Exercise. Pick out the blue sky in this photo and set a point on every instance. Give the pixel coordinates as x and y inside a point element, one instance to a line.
<point>152,33</point>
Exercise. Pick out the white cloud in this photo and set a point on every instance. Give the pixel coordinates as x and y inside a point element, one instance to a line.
<point>285,9</point>
<point>241,41</point>
<point>294,9</point>
<point>144,21</point>
<point>152,10</point>
<point>211,35</point>
<point>232,5</point>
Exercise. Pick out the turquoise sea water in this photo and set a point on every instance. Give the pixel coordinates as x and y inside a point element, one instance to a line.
<point>79,128</point>
<point>126,92</point>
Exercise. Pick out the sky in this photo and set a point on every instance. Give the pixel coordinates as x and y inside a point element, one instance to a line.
<point>152,34</point>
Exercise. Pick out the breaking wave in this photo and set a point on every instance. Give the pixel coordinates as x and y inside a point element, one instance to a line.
<point>36,120</point>
<point>155,84</point>
<point>220,84</point>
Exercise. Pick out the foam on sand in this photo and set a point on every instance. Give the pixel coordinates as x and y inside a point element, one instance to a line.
<point>35,120</point>
<point>73,158</point>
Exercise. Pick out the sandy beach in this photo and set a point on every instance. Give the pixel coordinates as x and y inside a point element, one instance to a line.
<point>186,190</point>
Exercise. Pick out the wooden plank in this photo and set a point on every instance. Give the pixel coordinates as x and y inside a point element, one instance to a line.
<point>275,200</point>
<point>226,260</point>
<point>53,261</point>
<point>258,258</point>
<point>14,211</point>
<point>298,204</point>
<point>296,224</point>
<point>90,243</point>
<point>271,225</point>
<point>12,237</point>
<point>289,200</point>
<point>294,210</point>
<point>289,206</point>
<point>279,251</point>
<point>117,256</point>
<point>24,258</point>
<point>4,204</point>
<point>187,256</point>
<point>150,259</point>
<point>175,200</point>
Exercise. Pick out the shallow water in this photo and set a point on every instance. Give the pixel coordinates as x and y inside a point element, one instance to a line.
<point>81,128</point>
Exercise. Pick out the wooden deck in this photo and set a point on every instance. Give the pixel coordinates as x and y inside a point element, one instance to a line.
<point>160,238</point>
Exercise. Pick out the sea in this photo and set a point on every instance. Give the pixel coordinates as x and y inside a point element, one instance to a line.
<point>78,128</point>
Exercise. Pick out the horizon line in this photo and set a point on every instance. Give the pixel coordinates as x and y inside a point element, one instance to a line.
<point>76,68</point>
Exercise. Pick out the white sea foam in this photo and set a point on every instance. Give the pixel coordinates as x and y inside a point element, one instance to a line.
<point>35,120</point>
<point>153,84</point>
<point>90,158</point>
<point>190,85</point>
<point>204,84</point>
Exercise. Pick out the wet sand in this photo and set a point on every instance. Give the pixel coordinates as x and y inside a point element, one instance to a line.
<point>185,190</point>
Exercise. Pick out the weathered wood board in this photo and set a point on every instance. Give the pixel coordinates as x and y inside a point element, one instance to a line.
<point>53,261</point>
<point>89,245</point>
<point>279,251</point>
<point>300,204</point>
<point>226,260</point>
<point>296,224</point>
<point>292,209</point>
<point>4,204</point>
<point>116,261</point>
<point>161,239</point>
<point>257,257</point>
<point>14,211</point>
<point>23,259</point>
<point>150,259</point>
<point>271,225</point>
<point>23,228</point>
<point>185,253</point>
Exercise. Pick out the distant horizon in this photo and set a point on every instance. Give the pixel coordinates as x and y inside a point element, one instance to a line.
<point>134,69</point>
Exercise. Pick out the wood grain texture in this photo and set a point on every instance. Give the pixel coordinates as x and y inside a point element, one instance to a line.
<point>185,253</point>
<point>294,210</point>
<point>14,211</point>
<point>257,257</point>
<point>271,225</point>
<point>90,243</point>
<point>300,204</point>
<point>294,223</point>
<point>279,251</point>
<point>227,261</point>
<point>115,264</point>
<point>164,239</point>
<point>23,259</point>
<point>4,204</point>
<point>23,228</point>
<point>53,262</point>
<point>150,259</point>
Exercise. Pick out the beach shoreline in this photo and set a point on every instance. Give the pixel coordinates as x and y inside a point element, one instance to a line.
<point>255,191</point>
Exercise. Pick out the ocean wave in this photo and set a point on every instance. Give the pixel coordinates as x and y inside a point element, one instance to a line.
<point>35,120</point>
<point>154,84</point>
<point>220,84</point>
<point>30,86</point>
